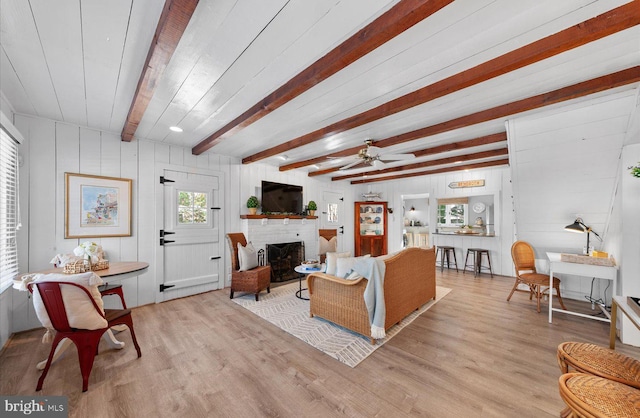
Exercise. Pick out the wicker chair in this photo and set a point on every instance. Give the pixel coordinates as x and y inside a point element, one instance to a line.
<point>250,281</point>
<point>595,397</point>
<point>599,361</point>
<point>524,260</point>
<point>326,234</point>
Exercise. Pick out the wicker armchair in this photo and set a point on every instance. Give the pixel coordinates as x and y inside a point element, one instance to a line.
<point>250,281</point>
<point>525,263</point>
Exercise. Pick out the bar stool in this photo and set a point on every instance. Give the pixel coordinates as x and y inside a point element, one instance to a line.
<point>593,396</point>
<point>477,261</point>
<point>445,251</point>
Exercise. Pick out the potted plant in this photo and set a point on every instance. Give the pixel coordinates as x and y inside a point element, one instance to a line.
<point>252,204</point>
<point>312,207</point>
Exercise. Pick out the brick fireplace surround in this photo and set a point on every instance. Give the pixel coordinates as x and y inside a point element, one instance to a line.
<point>274,231</point>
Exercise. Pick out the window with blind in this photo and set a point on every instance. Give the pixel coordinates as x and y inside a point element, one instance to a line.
<point>9,210</point>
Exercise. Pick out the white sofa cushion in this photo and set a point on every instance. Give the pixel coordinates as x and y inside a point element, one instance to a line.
<point>345,265</point>
<point>332,263</point>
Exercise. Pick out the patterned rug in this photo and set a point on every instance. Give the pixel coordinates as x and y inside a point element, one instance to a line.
<point>282,308</point>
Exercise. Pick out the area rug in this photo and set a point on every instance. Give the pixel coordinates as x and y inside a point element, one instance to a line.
<point>282,308</point>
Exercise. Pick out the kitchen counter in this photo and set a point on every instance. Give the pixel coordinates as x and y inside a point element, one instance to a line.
<point>464,235</point>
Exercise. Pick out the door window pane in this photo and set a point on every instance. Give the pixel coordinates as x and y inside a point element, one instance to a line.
<point>332,212</point>
<point>192,208</point>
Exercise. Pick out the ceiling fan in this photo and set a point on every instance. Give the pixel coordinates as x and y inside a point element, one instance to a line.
<point>372,156</point>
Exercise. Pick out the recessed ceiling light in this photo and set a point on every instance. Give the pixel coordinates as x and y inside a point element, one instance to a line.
<point>283,157</point>
<point>458,162</point>
<point>175,128</point>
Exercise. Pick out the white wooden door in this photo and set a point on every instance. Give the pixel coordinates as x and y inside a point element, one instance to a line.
<point>190,257</point>
<point>332,213</point>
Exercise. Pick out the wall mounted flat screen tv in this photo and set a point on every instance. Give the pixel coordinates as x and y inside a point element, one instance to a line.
<point>281,198</point>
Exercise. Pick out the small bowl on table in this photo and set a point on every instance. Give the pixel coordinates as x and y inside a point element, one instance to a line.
<point>311,264</point>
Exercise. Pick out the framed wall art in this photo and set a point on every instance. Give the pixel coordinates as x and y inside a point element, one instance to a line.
<point>97,206</point>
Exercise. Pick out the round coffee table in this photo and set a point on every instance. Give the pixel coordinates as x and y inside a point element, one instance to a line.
<point>305,271</point>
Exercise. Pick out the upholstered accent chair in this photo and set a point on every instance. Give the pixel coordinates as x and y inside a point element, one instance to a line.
<point>254,280</point>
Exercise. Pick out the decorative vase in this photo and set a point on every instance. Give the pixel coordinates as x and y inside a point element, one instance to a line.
<point>312,212</point>
<point>253,211</point>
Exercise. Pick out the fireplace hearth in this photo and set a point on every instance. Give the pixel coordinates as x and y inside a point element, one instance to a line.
<point>283,258</point>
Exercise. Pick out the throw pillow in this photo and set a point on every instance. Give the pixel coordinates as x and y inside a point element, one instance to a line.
<point>328,246</point>
<point>247,256</point>
<point>80,311</point>
<point>331,261</point>
<point>345,265</point>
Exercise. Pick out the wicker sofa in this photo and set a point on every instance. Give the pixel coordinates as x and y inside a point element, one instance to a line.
<point>409,283</point>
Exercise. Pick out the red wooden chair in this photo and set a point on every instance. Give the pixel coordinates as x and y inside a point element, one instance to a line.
<point>85,340</point>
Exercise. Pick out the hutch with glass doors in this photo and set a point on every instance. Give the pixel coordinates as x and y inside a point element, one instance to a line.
<point>370,228</point>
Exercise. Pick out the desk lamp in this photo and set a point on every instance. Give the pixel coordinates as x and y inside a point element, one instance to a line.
<point>579,226</point>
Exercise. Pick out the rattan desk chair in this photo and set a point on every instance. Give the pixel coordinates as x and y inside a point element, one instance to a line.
<point>525,264</point>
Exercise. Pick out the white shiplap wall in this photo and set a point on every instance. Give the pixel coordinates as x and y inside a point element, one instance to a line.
<point>52,148</point>
<point>566,162</point>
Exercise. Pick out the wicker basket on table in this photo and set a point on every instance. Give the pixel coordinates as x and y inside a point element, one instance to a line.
<point>83,266</point>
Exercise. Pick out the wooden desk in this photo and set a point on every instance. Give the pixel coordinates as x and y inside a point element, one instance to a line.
<point>620,303</point>
<point>581,270</point>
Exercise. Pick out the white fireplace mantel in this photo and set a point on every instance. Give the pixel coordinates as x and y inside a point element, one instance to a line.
<point>275,231</point>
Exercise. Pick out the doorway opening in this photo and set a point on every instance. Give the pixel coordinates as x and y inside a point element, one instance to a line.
<point>415,220</point>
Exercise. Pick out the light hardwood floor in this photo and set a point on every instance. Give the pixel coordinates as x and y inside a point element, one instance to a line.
<point>473,354</point>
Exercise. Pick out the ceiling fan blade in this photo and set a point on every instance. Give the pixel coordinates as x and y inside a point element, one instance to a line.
<point>377,164</point>
<point>353,164</point>
<point>396,157</point>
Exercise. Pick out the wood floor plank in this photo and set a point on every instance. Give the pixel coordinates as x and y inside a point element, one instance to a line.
<point>472,354</point>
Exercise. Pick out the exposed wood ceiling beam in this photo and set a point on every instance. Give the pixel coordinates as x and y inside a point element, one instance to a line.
<point>396,20</point>
<point>475,142</point>
<point>504,161</point>
<point>595,85</point>
<point>172,24</point>
<point>613,21</point>
<point>441,161</point>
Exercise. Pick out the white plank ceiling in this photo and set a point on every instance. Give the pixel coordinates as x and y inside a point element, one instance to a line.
<point>79,61</point>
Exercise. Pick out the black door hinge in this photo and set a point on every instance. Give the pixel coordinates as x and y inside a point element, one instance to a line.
<point>163,233</point>
<point>165,241</point>
<point>164,286</point>
<point>163,180</point>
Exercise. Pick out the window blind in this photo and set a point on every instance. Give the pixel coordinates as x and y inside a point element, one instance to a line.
<point>9,209</point>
